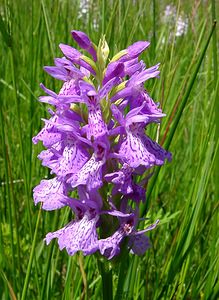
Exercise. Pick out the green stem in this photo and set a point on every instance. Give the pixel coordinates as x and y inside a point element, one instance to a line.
<point>123,267</point>
<point>132,276</point>
<point>107,282</point>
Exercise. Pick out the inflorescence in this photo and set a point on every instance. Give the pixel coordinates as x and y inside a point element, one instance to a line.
<point>97,148</point>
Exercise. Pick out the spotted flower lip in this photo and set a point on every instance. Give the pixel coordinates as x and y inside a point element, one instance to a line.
<point>76,236</point>
<point>97,148</point>
<point>51,193</point>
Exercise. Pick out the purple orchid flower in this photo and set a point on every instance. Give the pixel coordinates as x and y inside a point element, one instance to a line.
<point>134,84</point>
<point>135,147</point>
<point>110,246</point>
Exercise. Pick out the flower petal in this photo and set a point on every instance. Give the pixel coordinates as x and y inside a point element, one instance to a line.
<point>57,72</point>
<point>74,156</point>
<point>137,149</point>
<point>139,244</point>
<point>77,236</point>
<point>109,247</point>
<point>51,193</point>
<point>122,179</point>
<point>97,127</point>
<point>114,69</point>
<point>84,42</point>
<point>90,174</point>
<point>49,134</point>
<point>135,50</point>
<point>49,158</point>
<point>76,57</point>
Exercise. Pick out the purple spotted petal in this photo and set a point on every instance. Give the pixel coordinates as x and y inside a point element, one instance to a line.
<point>159,153</point>
<point>74,156</point>
<point>138,149</point>
<point>97,127</point>
<point>49,158</point>
<point>89,175</point>
<point>47,155</point>
<point>150,106</point>
<point>51,193</point>
<point>77,236</point>
<point>68,88</point>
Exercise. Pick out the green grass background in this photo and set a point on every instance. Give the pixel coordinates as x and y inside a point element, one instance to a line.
<point>183,262</point>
